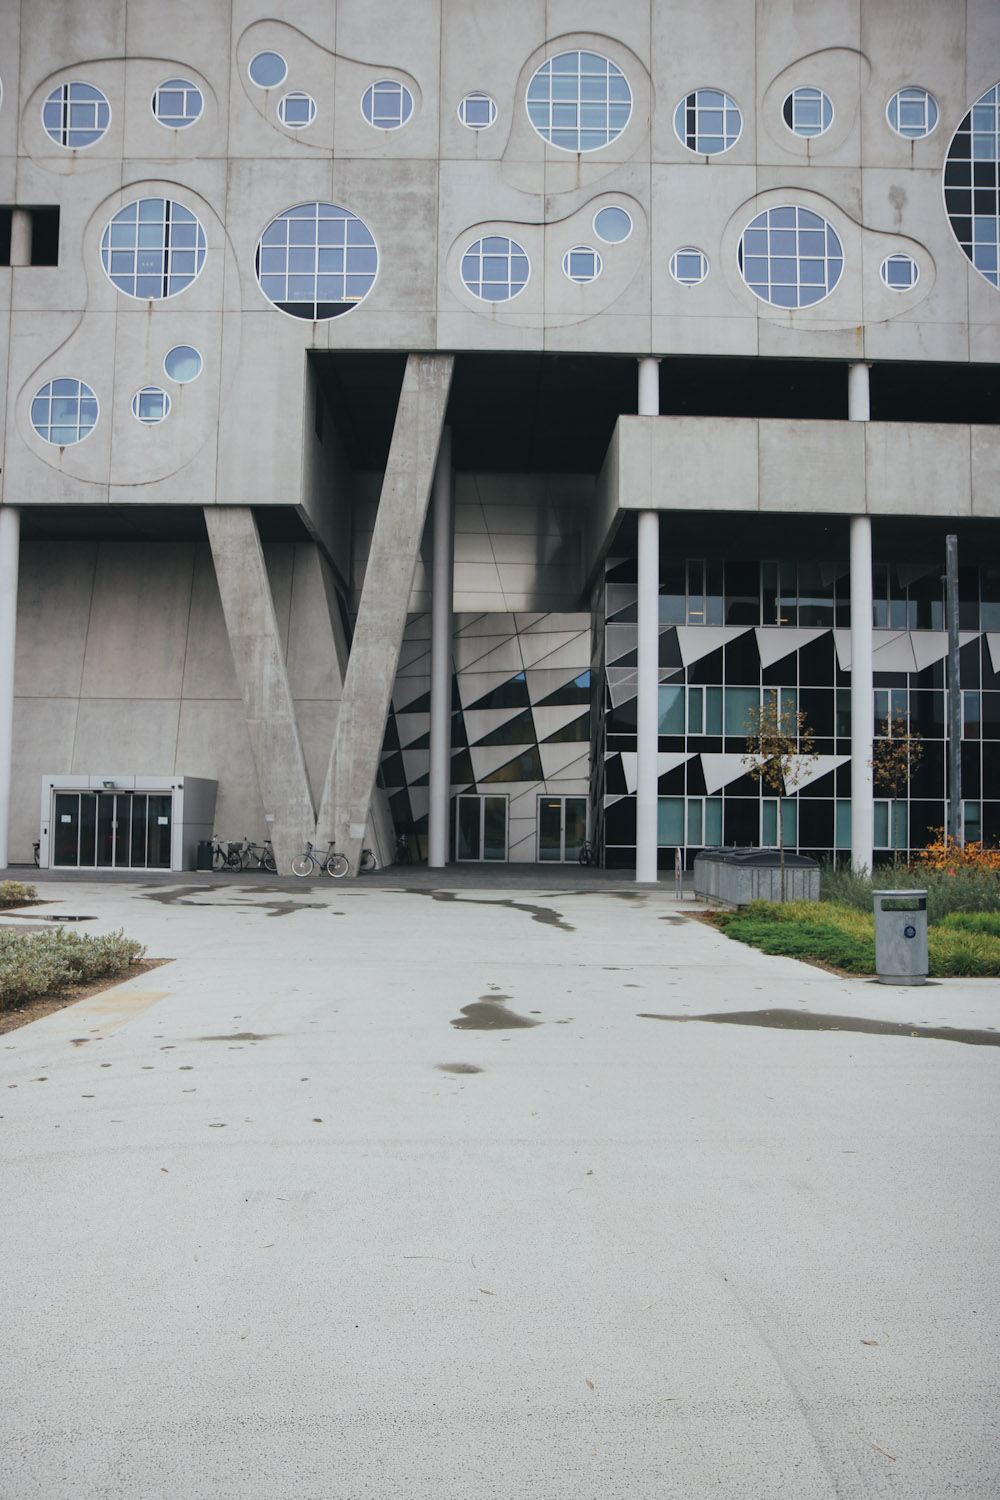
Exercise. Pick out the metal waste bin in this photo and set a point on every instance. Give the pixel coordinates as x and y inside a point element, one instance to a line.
<point>734,877</point>
<point>901,936</point>
<point>203,855</point>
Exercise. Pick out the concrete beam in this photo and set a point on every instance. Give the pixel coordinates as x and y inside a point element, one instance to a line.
<point>385,597</point>
<point>260,668</point>
<point>10,540</point>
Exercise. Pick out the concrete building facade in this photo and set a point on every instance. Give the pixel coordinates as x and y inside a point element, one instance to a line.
<point>419,425</point>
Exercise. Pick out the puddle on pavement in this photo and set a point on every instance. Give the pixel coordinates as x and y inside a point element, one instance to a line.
<point>489,1013</point>
<point>800,1020</point>
<point>457,1068</point>
<point>181,896</point>
<point>547,915</point>
<point>240,1036</point>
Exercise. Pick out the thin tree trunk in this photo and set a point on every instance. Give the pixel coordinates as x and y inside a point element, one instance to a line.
<point>781,842</point>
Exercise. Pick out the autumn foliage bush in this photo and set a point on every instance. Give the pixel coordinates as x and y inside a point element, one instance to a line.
<point>946,855</point>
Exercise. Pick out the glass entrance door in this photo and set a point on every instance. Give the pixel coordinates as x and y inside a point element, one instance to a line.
<point>562,827</point>
<point>112,830</point>
<point>480,827</point>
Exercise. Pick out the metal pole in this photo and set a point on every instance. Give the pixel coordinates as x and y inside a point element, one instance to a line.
<point>862,680</point>
<point>648,655</point>
<point>955,828</point>
<point>10,534</point>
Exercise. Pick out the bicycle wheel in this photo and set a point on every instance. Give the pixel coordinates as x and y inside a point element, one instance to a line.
<point>269,862</point>
<point>303,864</point>
<point>234,860</point>
<point>218,858</point>
<point>368,862</point>
<point>337,866</point>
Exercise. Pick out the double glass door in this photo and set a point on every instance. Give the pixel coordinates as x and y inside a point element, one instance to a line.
<point>112,830</point>
<point>480,827</point>
<point>562,827</point>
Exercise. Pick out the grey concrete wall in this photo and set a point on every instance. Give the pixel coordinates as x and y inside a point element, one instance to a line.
<point>429,189</point>
<point>124,664</point>
<point>838,468</point>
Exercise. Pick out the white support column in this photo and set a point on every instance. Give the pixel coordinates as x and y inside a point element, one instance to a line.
<point>648,654</point>
<point>441,629</point>
<point>10,533</point>
<point>862,679</point>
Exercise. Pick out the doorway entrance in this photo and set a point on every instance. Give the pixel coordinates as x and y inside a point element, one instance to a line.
<point>480,827</point>
<point>562,827</point>
<point>116,830</point>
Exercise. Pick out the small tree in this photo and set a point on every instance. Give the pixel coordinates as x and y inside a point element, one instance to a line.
<point>778,754</point>
<point>896,754</point>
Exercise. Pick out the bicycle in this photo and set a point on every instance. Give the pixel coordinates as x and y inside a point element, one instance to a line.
<point>261,854</point>
<point>367,862</point>
<point>403,852</point>
<point>587,855</point>
<point>225,854</point>
<point>37,848</point>
<point>310,863</point>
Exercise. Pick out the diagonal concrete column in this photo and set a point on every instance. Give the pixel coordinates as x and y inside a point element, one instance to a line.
<point>385,597</point>
<point>260,669</point>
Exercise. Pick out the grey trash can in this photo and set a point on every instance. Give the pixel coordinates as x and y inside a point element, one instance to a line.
<point>901,936</point>
<point>735,877</point>
<point>203,855</point>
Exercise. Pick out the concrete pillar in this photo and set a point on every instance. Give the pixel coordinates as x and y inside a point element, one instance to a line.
<point>10,533</point>
<point>862,678</point>
<point>648,666</point>
<point>441,630</point>
<point>263,677</point>
<point>20,237</point>
<point>385,598</point>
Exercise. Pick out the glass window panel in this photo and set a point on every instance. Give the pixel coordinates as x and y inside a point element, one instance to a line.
<point>670,821</point>
<point>713,822</point>
<point>671,709</point>
<point>740,702</point>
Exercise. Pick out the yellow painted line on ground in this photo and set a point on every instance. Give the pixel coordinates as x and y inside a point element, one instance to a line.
<point>111,1009</point>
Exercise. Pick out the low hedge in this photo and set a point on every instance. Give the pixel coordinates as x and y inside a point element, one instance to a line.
<point>36,963</point>
<point>16,893</point>
<point>961,945</point>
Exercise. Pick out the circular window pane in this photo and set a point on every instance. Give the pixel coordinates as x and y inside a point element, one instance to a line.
<point>177,103</point>
<point>708,122</point>
<point>790,257</point>
<point>579,101</point>
<point>971,173</point>
<point>387,104</point>
<point>495,269</point>
<point>612,225</point>
<point>582,264</point>
<point>64,412</point>
<point>900,272</point>
<point>807,111</point>
<point>477,111</point>
<point>150,405</point>
<point>689,266</point>
<point>183,363</point>
<point>297,110</point>
<point>268,69</point>
<point>75,115</point>
<point>153,248</point>
<point>316,261</point>
<point>912,113</point>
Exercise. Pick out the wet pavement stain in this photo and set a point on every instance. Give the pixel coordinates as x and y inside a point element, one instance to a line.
<point>457,1068</point>
<point>489,1013</point>
<point>181,896</point>
<point>241,1036</point>
<point>79,1041</point>
<point>798,1020</point>
<point>547,915</point>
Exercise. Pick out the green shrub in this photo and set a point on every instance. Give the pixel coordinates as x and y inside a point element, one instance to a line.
<point>35,963</point>
<point>962,945</point>
<point>968,890</point>
<point>16,893</point>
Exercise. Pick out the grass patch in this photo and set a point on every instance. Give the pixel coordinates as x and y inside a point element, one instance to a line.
<point>962,945</point>
<point>963,890</point>
<point>38,963</point>
<point>16,893</point>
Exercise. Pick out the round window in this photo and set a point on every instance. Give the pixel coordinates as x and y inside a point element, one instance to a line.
<point>612,225</point>
<point>316,261</point>
<point>790,257</point>
<point>579,101</point>
<point>807,112</point>
<point>64,412</point>
<point>76,115</point>
<point>153,248</point>
<point>477,111</point>
<point>150,405</point>
<point>387,105</point>
<point>268,69</point>
<point>183,363</point>
<point>495,268</point>
<point>582,264</point>
<point>177,103</point>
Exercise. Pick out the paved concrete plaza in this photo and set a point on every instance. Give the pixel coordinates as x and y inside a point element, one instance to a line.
<point>380,1190</point>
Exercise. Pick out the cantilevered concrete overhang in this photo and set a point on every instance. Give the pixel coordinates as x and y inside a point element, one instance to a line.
<point>793,467</point>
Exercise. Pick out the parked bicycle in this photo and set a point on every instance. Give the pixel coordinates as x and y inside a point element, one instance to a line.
<point>310,863</point>
<point>367,862</point>
<point>261,856</point>
<point>587,855</point>
<point>226,854</point>
<point>37,848</point>
<point>404,853</point>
